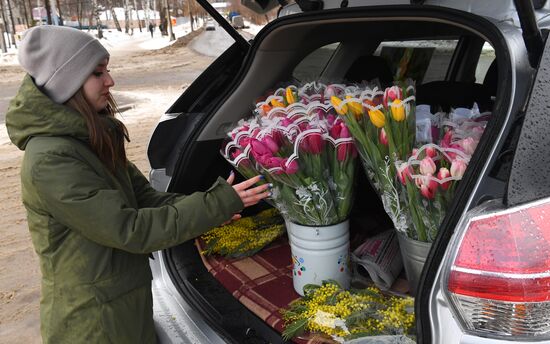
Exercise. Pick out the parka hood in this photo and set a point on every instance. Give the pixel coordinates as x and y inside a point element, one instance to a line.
<point>31,113</point>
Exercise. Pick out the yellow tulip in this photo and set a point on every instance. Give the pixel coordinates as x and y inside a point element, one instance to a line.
<point>276,103</point>
<point>377,118</point>
<point>397,110</point>
<point>336,102</point>
<point>355,108</point>
<point>290,96</point>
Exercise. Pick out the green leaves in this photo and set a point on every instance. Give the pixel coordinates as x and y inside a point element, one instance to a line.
<point>294,329</point>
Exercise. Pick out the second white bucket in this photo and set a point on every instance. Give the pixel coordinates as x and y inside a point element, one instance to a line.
<point>319,254</point>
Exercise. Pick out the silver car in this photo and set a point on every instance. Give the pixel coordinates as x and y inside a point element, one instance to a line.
<point>487,277</point>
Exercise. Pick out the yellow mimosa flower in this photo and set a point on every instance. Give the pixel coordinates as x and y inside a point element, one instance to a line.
<point>377,118</point>
<point>336,102</point>
<point>397,110</point>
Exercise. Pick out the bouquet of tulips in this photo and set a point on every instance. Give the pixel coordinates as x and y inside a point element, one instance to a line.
<point>302,148</point>
<point>382,123</point>
<point>430,175</point>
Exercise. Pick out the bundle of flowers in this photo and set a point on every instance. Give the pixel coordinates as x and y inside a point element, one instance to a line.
<point>430,175</point>
<point>300,145</point>
<point>382,123</point>
<point>344,315</point>
<point>244,237</point>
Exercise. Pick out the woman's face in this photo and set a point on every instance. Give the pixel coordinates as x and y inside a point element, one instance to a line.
<point>96,87</point>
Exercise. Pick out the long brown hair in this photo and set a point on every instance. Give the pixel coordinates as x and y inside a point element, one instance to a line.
<point>105,132</point>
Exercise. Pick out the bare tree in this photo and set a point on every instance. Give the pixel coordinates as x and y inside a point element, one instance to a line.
<point>10,9</point>
<point>137,15</point>
<point>115,19</point>
<point>95,12</point>
<point>60,13</point>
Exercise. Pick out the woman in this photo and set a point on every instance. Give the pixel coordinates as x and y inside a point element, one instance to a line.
<point>92,215</point>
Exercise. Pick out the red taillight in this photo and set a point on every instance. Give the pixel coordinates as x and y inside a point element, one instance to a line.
<point>499,279</point>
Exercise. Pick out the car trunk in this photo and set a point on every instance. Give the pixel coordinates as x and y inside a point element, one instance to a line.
<point>274,55</point>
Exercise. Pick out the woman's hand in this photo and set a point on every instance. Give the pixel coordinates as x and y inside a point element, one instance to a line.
<point>249,193</point>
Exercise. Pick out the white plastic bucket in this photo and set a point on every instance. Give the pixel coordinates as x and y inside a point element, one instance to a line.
<point>318,254</point>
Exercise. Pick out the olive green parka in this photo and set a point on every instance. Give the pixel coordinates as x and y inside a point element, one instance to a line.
<point>93,230</point>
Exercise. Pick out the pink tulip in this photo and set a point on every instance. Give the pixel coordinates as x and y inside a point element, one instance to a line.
<point>331,119</point>
<point>243,141</point>
<point>427,166</point>
<point>431,152</point>
<point>272,162</point>
<point>403,173</point>
<point>446,141</point>
<point>414,152</point>
<point>391,94</point>
<point>458,167</point>
<point>286,122</point>
<point>383,137</point>
<point>468,145</point>
<point>270,143</point>
<point>258,148</point>
<point>235,153</point>
<point>292,168</point>
<point>427,192</point>
<point>442,174</point>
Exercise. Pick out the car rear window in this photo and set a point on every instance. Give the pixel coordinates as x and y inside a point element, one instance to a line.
<point>312,66</point>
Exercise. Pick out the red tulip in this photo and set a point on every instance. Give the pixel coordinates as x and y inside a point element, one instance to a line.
<point>313,143</point>
<point>391,94</point>
<point>335,131</point>
<point>427,192</point>
<point>431,152</point>
<point>403,173</point>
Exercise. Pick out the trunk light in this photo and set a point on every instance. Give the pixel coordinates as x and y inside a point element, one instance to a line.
<point>499,280</point>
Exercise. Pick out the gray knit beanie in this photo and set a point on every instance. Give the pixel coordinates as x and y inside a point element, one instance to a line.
<point>60,59</point>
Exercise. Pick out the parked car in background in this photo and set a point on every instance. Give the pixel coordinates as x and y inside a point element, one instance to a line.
<point>486,278</point>
<point>237,21</point>
<point>210,25</point>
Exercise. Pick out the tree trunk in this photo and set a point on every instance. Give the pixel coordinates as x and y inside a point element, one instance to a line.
<point>137,15</point>
<point>79,10</point>
<point>12,24</point>
<point>115,19</point>
<point>29,6</point>
<point>48,11</point>
<point>95,12</point>
<point>126,18</point>
<point>146,11</point>
<point>23,5</point>
<point>60,13</point>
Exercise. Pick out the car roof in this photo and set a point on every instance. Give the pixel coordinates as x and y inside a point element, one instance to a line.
<point>500,11</point>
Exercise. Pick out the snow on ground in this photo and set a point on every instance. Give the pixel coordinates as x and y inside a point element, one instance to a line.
<point>115,40</point>
<point>212,43</point>
<point>252,28</point>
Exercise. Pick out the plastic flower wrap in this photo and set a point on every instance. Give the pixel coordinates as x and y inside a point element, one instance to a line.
<point>382,124</point>
<point>304,150</point>
<point>344,315</point>
<point>430,176</point>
